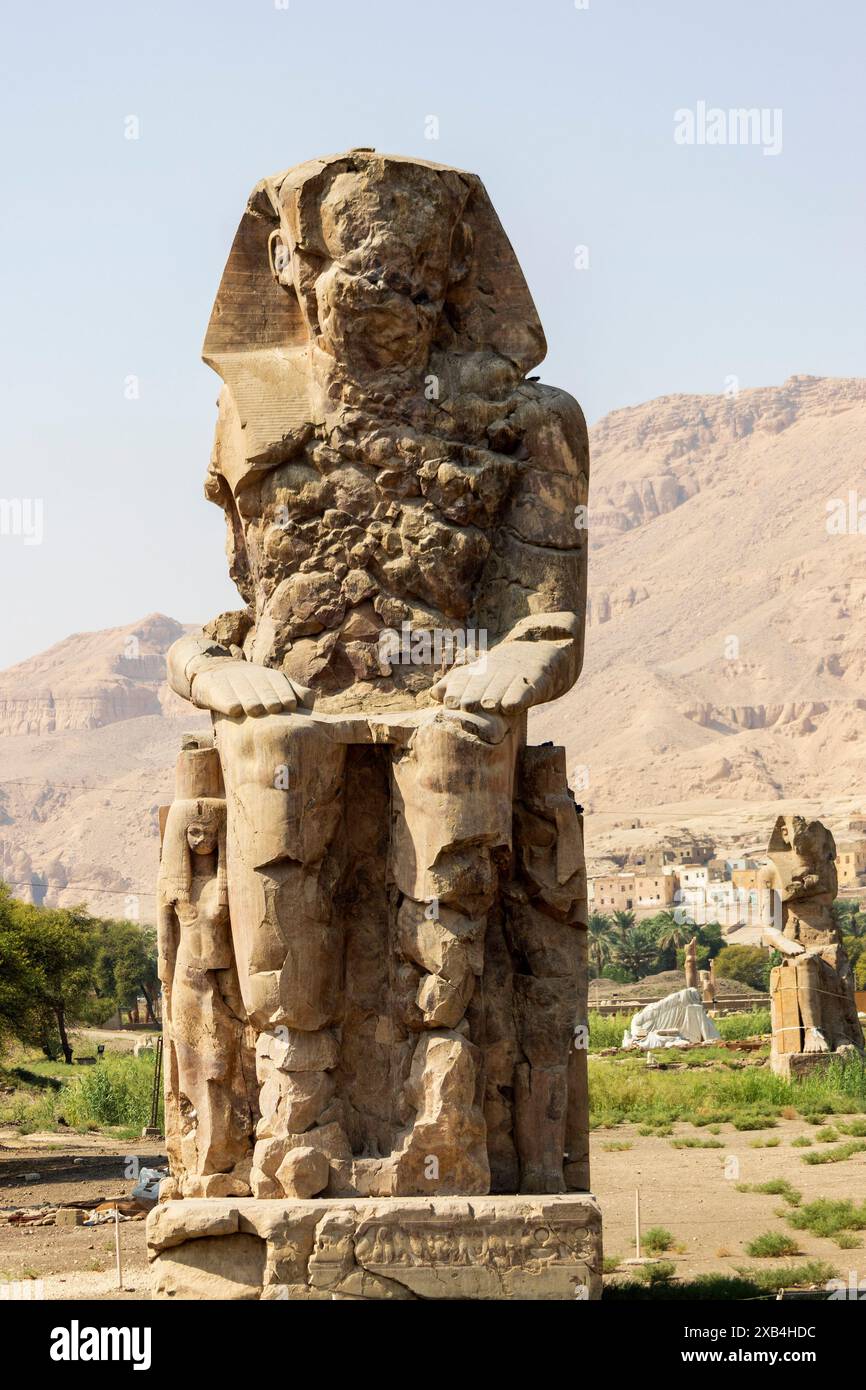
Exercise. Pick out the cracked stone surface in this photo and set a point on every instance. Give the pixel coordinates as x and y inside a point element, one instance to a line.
<point>393,1248</point>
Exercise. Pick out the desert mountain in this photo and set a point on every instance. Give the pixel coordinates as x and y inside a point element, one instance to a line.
<point>727,645</point>
<point>726,650</point>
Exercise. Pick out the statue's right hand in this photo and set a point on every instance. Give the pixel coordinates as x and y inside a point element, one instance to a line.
<point>241,687</point>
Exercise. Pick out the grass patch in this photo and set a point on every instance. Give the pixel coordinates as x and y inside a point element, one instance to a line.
<point>661,1273</point>
<point>764,1143</point>
<point>772,1245</point>
<point>774,1187</point>
<point>607,1030</point>
<point>627,1089</point>
<point>735,1027</point>
<point>745,1283</point>
<point>691,1143</point>
<point>657,1240</point>
<point>617,1146</point>
<point>748,1122</point>
<point>827,1216</point>
<point>804,1142</point>
<point>837,1155</point>
<point>114,1094</point>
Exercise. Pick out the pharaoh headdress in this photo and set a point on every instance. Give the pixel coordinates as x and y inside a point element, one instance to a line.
<point>260,332</point>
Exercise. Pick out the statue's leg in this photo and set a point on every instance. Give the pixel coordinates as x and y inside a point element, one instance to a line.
<point>840,1024</point>
<point>214,1114</point>
<point>545,929</point>
<point>451,830</point>
<point>809,999</point>
<point>284,780</point>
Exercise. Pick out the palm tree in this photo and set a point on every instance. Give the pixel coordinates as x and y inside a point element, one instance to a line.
<point>636,949</point>
<point>600,930</point>
<point>624,920</point>
<point>670,932</point>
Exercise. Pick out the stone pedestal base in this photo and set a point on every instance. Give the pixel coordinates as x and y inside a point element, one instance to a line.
<point>791,1066</point>
<point>390,1247</point>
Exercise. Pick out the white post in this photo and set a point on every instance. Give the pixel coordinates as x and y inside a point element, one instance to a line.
<point>117,1247</point>
<point>637,1221</point>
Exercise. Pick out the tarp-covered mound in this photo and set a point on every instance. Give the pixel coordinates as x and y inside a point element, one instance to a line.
<point>676,1021</point>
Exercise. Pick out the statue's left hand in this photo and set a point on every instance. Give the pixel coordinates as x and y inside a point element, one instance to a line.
<point>507,679</point>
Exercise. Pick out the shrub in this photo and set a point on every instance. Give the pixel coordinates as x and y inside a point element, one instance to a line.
<point>773,1187</point>
<point>657,1240</point>
<point>117,1091</point>
<point>837,1155</point>
<point>771,1245</point>
<point>827,1216</point>
<point>660,1273</point>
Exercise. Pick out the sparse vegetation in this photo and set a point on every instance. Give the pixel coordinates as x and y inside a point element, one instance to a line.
<point>774,1187</point>
<point>657,1240</point>
<point>828,1216</point>
<point>771,1245</point>
<point>837,1155</point>
<point>745,1283</point>
<point>655,1274</point>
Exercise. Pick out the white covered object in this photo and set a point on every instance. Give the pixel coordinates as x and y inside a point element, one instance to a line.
<point>674,1021</point>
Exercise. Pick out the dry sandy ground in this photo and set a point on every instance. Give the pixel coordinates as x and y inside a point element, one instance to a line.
<point>72,1261</point>
<point>684,1190</point>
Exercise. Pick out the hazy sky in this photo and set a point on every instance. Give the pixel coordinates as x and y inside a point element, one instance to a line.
<point>705,260</point>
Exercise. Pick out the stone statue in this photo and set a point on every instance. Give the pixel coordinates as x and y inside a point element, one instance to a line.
<point>209,1112</point>
<point>691,964</point>
<point>812,992</point>
<point>707,987</point>
<point>405,520</point>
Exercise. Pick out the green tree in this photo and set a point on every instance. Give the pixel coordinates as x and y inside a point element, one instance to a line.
<point>20,1017</point>
<point>126,965</point>
<point>624,920</point>
<point>600,931</point>
<point>670,935</point>
<point>636,950</point>
<point>56,951</point>
<point>748,964</point>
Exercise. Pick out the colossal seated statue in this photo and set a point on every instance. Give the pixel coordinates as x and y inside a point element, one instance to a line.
<point>814,1011</point>
<point>405,878</point>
